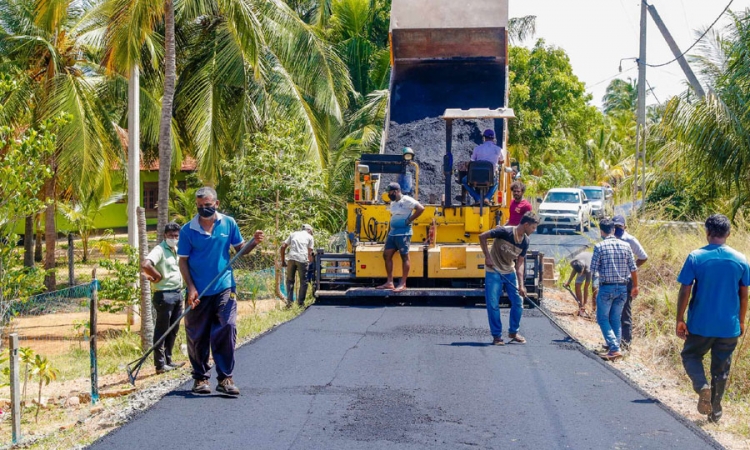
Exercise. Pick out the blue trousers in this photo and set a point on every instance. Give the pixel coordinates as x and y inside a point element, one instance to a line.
<point>493,288</point>
<point>211,326</point>
<point>474,194</point>
<point>609,303</point>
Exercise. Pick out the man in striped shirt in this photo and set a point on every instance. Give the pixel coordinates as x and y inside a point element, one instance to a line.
<point>613,260</point>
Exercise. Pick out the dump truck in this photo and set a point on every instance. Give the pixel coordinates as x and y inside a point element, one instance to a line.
<point>449,81</point>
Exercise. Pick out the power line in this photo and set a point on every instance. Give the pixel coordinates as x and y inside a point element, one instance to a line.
<point>696,42</point>
<point>611,77</point>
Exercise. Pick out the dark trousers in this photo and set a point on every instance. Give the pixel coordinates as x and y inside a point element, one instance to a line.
<point>627,316</point>
<point>168,307</point>
<point>211,326</point>
<point>300,270</point>
<point>692,354</point>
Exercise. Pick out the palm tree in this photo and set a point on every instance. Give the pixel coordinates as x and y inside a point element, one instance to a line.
<point>521,28</point>
<point>83,210</point>
<point>44,43</point>
<point>620,97</point>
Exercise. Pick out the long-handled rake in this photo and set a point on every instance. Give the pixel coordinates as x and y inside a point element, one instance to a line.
<point>134,367</point>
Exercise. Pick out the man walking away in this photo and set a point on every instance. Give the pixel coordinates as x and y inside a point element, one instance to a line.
<point>519,205</point>
<point>300,245</point>
<point>640,259</point>
<point>161,267</point>
<point>487,151</point>
<point>613,260</point>
<point>581,266</point>
<point>504,266</point>
<point>210,325</point>
<point>404,211</point>
<point>717,276</point>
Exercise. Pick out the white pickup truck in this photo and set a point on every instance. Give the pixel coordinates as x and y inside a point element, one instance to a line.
<point>565,208</point>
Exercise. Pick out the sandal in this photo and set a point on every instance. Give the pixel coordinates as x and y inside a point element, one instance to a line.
<point>515,337</point>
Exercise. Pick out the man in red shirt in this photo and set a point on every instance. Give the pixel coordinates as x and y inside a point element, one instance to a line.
<point>519,206</point>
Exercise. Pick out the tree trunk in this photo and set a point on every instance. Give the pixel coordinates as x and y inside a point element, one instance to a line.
<point>50,234</point>
<point>39,238</point>
<point>147,316</point>
<point>165,124</point>
<point>28,242</point>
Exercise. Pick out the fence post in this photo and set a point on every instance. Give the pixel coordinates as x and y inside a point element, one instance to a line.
<point>94,309</point>
<point>71,256</point>
<point>15,390</point>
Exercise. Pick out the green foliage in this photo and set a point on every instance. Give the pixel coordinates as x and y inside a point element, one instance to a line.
<point>44,371</point>
<point>105,244</point>
<point>26,357</point>
<point>120,289</point>
<point>83,210</point>
<point>182,205</point>
<point>279,166</point>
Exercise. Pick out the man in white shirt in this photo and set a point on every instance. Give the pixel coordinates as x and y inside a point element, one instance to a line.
<point>300,244</point>
<point>404,210</point>
<point>640,258</point>
<point>488,151</point>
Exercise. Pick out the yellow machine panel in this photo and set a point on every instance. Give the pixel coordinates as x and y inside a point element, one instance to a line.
<point>370,264</point>
<point>455,261</point>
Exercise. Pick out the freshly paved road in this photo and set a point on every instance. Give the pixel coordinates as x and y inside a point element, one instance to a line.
<point>410,378</point>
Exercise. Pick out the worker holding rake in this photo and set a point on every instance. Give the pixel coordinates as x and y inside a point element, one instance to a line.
<point>210,325</point>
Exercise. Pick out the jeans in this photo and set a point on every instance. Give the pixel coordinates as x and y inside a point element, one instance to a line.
<point>627,316</point>
<point>609,303</point>
<point>299,269</point>
<point>493,287</point>
<point>168,307</point>
<point>692,354</point>
<point>474,194</point>
<point>211,327</point>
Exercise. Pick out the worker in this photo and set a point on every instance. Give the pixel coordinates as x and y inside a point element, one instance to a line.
<point>300,245</point>
<point>161,267</point>
<point>504,266</point>
<point>404,211</point>
<point>718,277</point>
<point>210,325</point>
<point>581,271</point>
<point>519,205</point>
<point>640,258</point>
<point>487,151</point>
<point>612,260</point>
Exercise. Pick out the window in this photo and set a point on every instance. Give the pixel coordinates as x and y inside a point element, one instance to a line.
<point>150,196</point>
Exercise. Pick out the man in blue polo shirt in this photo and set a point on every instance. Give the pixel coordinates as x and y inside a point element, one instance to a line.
<point>203,249</point>
<point>717,276</point>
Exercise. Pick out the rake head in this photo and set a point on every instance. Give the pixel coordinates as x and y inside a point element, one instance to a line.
<point>133,371</point>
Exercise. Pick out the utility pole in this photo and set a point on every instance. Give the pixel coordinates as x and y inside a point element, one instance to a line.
<point>640,130</point>
<point>692,79</point>
<point>134,163</point>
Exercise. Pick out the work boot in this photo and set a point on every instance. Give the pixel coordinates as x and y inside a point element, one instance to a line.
<point>497,341</point>
<point>201,387</point>
<point>226,386</point>
<point>704,401</point>
<point>717,392</point>
<point>164,368</point>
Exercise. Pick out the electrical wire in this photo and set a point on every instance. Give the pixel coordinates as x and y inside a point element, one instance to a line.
<point>611,77</point>
<point>696,42</point>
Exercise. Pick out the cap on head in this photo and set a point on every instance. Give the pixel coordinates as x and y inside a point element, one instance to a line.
<point>619,220</point>
<point>489,134</point>
<point>307,227</point>
<point>393,186</point>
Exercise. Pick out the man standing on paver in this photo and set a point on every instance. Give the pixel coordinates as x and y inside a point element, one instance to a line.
<point>487,151</point>
<point>300,244</point>
<point>404,211</point>
<point>640,258</point>
<point>504,266</point>
<point>162,268</point>
<point>581,271</point>
<point>718,277</point>
<point>519,205</point>
<point>613,261</point>
<point>203,249</point>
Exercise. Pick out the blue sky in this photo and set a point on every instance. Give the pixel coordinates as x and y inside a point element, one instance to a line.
<point>597,33</point>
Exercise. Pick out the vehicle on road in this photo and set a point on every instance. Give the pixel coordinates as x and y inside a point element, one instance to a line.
<point>565,208</point>
<point>449,68</point>
<point>601,201</point>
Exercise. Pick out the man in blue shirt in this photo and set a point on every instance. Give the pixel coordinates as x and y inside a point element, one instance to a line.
<point>717,276</point>
<point>203,249</point>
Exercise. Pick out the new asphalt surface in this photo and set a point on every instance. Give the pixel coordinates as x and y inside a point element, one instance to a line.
<point>382,377</point>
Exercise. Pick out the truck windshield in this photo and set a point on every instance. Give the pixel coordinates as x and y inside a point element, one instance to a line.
<point>562,197</point>
<point>593,194</point>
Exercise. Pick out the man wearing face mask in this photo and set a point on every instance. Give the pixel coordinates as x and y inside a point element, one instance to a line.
<point>640,259</point>
<point>210,325</point>
<point>404,211</point>
<point>162,269</point>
